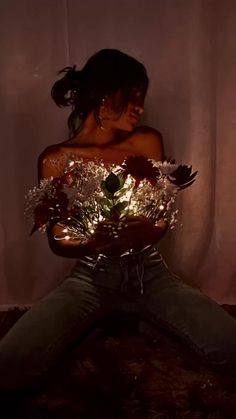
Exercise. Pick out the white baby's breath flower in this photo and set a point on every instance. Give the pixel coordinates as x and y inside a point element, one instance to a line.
<point>86,197</point>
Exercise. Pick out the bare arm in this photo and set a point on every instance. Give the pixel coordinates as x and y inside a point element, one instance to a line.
<point>67,248</point>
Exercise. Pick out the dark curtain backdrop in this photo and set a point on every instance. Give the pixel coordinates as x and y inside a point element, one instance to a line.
<point>189,49</point>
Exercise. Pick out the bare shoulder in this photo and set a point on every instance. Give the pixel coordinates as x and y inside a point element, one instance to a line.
<point>148,141</point>
<point>51,162</point>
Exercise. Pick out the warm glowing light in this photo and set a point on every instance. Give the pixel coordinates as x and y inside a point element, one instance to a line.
<point>87,200</point>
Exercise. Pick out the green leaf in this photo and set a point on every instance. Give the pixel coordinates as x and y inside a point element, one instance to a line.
<point>121,179</point>
<point>122,192</point>
<point>112,183</point>
<point>121,206</point>
<point>108,194</point>
<point>103,185</point>
<point>105,213</point>
<point>104,201</point>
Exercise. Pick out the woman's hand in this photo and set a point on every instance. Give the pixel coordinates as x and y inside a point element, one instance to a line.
<point>137,233</point>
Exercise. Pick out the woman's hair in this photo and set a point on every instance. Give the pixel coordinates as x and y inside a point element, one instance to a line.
<point>106,72</point>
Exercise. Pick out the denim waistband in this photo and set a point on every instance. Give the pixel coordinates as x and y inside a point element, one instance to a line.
<point>124,260</point>
<point>129,255</point>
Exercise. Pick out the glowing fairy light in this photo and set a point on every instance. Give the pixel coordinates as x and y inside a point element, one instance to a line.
<point>84,202</point>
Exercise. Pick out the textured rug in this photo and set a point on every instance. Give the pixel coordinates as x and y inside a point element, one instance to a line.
<point>117,372</point>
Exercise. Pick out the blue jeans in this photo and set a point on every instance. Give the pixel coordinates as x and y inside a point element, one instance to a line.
<point>136,283</point>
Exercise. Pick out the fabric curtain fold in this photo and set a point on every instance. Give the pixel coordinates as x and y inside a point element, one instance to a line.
<point>189,50</point>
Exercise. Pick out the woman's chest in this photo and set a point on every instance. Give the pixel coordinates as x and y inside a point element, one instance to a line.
<point>113,154</point>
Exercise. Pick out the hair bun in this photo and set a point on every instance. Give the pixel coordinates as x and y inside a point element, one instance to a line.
<point>71,72</point>
<point>67,84</point>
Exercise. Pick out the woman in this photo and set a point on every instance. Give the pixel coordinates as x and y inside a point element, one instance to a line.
<point>107,96</point>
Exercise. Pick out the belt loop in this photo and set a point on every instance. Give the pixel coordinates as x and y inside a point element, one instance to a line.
<point>97,260</point>
<point>139,267</point>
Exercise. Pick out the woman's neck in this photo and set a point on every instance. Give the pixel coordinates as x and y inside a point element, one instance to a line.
<point>91,134</point>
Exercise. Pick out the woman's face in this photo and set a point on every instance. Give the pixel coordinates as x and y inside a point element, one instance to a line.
<point>112,118</point>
